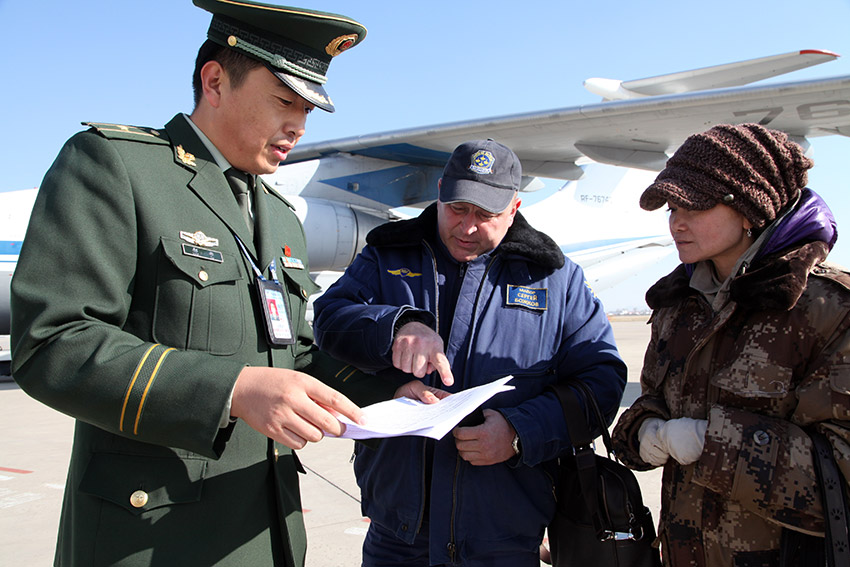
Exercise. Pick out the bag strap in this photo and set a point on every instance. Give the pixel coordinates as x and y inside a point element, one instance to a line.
<point>582,439</point>
<point>590,400</point>
<point>834,502</point>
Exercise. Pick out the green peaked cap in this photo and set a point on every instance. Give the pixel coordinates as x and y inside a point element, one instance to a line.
<point>295,44</point>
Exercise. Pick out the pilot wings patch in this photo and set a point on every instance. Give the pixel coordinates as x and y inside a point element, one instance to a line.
<point>404,273</point>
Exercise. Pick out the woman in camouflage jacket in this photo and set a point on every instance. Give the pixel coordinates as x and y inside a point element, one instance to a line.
<point>750,348</point>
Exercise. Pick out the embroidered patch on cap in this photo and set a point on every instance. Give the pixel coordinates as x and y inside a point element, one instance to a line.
<point>482,162</point>
<point>528,297</point>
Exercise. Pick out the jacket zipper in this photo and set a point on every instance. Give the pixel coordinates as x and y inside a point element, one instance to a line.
<point>424,488</point>
<point>451,547</point>
<point>474,326</point>
<point>437,318</point>
<point>436,283</point>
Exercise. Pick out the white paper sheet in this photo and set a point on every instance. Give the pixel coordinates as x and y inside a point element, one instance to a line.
<point>403,416</point>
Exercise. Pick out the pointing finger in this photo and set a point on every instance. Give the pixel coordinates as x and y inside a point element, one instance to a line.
<point>441,364</point>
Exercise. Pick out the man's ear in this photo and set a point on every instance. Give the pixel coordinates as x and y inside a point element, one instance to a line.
<point>213,78</point>
<point>515,207</point>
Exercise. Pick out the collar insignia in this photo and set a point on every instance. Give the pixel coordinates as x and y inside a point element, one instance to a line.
<point>404,273</point>
<point>198,238</point>
<point>185,157</point>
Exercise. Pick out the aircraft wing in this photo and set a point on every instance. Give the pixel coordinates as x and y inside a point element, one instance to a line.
<point>638,133</point>
<point>606,264</point>
<point>714,77</point>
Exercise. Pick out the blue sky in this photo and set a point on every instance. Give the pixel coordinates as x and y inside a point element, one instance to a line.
<point>130,61</point>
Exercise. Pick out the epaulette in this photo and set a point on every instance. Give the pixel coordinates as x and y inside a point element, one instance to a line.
<point>834,272</point>
<point>123,132</point>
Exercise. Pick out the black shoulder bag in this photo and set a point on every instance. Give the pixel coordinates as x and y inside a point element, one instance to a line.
<point>600,518</point>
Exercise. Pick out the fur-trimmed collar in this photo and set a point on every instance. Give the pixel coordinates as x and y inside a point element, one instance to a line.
<point>521,239</point>
<point>773,282</point>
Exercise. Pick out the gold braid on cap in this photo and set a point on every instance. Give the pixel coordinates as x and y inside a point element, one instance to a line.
<point>277,61</point>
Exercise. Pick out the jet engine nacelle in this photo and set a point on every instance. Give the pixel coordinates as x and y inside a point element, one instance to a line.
<point>336,232</point>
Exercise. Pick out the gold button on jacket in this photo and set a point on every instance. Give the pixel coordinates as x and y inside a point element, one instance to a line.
<point>138,499</point>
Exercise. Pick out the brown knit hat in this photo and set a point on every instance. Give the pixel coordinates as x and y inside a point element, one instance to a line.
<point>754,170</point>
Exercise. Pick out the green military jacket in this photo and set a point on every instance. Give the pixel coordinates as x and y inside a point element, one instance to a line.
<point>127,318</point>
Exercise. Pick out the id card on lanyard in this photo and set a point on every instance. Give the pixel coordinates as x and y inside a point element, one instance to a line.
<point>273,303</point>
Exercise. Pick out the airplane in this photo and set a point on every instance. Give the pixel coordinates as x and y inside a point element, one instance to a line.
<point>343,188</point>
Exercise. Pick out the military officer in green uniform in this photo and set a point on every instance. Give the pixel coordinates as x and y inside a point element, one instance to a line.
<point>162,305</point>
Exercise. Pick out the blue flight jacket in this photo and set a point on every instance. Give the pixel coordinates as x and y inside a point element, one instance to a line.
<point>523,310</point>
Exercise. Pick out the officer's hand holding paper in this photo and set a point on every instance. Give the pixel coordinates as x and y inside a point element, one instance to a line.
<point>403,416</point>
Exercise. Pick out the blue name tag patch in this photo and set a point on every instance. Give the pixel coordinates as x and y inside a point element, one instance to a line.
<point>528,297</point>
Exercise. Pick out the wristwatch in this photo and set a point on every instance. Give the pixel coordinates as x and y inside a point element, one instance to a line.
<point>515,444</point>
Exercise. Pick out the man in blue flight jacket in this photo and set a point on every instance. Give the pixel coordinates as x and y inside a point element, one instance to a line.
<point>466,293</point>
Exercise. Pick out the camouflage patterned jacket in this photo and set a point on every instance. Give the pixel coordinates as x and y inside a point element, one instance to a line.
<point>773,361</point>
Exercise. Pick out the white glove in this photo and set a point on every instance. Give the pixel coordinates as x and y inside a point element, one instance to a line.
<point>683,438</point>
<point>652,450</point>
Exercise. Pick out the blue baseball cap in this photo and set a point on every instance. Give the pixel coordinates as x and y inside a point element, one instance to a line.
<point>484,173</point>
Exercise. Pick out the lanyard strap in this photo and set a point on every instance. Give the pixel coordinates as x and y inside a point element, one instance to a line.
<point>257,271</point>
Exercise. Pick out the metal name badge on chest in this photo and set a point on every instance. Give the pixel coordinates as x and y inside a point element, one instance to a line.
<point>200,246</point>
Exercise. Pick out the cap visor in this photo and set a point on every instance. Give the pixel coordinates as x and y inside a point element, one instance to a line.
<point>308,90</point>
<point>491,199</point>
<point>669,191</point>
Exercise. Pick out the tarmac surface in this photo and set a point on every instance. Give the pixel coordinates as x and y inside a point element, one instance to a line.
<point>35,446</point>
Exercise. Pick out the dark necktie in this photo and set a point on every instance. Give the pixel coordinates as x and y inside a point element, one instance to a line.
<point>240,183</point>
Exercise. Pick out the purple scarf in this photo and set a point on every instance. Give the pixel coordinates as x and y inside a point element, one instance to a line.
<point>810,221</point>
